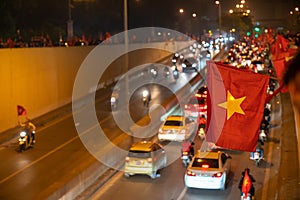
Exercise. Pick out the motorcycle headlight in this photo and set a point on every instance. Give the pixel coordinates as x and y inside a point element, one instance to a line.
<point>22,134</point>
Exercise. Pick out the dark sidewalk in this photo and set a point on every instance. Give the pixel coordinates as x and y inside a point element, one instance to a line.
<point>289,175</point>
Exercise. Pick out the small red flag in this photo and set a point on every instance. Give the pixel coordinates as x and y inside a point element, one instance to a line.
<point>247,184</point>
<point>236,104</point>
<point>21,110</point>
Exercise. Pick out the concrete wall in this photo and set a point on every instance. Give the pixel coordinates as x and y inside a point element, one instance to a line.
<point>41,79</point>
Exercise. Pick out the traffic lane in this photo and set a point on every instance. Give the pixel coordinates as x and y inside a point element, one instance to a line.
<point>173,186</point>
<point>143,187</point>
<point>36,168</point>
<point>47,140</point>
<point>170,184</point>
<point>53,171</point>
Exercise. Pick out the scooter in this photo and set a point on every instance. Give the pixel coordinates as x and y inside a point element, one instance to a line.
<point>25,142</point>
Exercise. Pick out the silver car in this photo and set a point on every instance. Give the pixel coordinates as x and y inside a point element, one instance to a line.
<point>145,157</point>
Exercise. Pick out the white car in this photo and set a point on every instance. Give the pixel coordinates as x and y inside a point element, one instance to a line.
<point>145,157</point>
<point>208,170</point>
<point>177,128</point>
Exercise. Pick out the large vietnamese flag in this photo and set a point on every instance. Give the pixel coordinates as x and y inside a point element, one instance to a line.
<point>237,99</point>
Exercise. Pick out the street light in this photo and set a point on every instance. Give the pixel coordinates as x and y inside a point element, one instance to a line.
<point>220,22</point>
<point>70,21</point>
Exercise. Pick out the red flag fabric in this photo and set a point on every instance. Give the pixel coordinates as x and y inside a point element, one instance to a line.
<point>280,67</point>
<point>283,42</point>
<point>21,110</point>
<point>247,183</point>
<point>236,103</point>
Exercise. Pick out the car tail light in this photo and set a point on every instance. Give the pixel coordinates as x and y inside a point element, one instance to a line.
<point>127,159</point>
<point>190,173</point>
<point>160,130</point>
<point>182,131</point>
<point>218,175</point>
<point>149,160</point>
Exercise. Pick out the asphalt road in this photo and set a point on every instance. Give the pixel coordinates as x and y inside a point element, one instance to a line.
<point>170,184</point>
<point>59,154</point>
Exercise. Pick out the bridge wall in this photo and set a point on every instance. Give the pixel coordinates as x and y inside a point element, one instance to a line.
<point>41,79</point>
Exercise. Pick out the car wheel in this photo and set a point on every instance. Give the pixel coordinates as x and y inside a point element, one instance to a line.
<point>153,175</point>
<point>224,185</point>
<point>164,163</point>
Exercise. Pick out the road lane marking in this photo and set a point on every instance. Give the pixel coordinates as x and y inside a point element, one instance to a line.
<point>269,157</point>
<point>46,155</point>
<point>112,181</point>
<point>37,160</point>
<point>182,194</point>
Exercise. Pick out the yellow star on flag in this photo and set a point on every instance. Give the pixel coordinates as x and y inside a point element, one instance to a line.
<point>232,105</point>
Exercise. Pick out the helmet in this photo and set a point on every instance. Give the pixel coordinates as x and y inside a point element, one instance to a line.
<point>247,170</point>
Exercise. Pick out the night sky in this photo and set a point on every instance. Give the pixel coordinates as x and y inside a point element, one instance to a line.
<point>95,16</point>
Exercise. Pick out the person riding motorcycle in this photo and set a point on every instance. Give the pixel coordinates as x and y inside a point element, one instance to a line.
<point>259,148</point>
<point>31,128</point>
<point>202,122</point>
<point>242,185</point>
<point>187,146</point>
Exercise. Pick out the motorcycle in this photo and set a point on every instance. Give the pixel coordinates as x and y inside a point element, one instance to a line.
<point>146,98</point>
<point>113,103</point>
<point>201,133</point>
<point>25,141</point>
<point>166,72</point>
<point>257,157</point>
<point>246,197</point>
<point>186,158</point>
<point>175,74</point>
<point>153,71</point>
<point>262,136</point>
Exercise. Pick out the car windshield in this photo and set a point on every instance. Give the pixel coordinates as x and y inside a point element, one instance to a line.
<point>139,154</point>
<point>173,123</point>
<point>206,163</point>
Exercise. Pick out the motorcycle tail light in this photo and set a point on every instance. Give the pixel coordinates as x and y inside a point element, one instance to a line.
<point>185,153</point>
<point>190,173</point>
